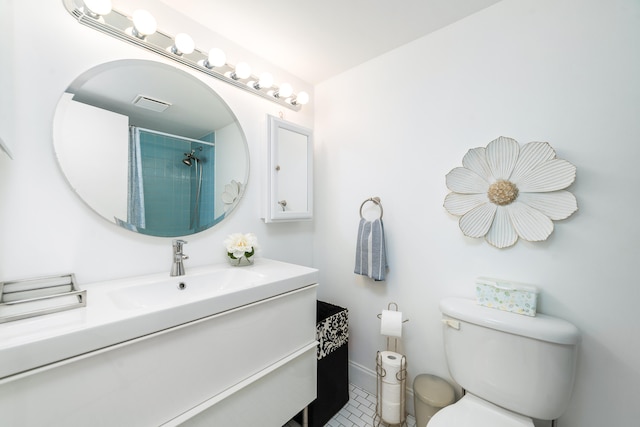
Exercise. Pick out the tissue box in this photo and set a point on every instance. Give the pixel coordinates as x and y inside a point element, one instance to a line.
<point>507,296</point>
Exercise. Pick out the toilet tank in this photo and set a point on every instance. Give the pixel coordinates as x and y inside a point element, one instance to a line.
<point>521,363</point>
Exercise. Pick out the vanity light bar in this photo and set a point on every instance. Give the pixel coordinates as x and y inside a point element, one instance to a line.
<point>118,25</point>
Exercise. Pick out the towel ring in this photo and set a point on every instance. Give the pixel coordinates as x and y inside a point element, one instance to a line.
<point>375,200</point>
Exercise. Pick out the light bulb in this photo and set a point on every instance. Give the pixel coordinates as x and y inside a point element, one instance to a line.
<point>144,24</point>
<point>98,7</point>
<point>216,58</point>
<point>301,99</point>
<point>265,81</point>
<point>284,91</point>
<point>183,44</point>
<point>242,71</point>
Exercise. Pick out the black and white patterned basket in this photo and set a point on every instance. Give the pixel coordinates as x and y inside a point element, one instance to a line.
<point>332,333</point>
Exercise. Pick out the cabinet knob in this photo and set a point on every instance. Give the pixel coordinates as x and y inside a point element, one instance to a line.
<point>278,167</point>
<point>282,203</point>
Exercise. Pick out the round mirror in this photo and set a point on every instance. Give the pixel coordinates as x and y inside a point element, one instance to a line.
<point>150,148</point>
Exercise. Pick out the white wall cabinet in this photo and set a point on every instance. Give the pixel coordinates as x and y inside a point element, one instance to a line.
<point>289,192</point>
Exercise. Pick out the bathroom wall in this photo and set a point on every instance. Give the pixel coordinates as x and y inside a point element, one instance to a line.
<point>7,73</point>
<point>108,142</point>
<point>44,227</point>
<point>562,71</point>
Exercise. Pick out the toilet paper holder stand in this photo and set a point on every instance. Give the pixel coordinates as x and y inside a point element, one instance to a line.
<point>384,413</point>
<point>392,306</point>
<point>400,380</point>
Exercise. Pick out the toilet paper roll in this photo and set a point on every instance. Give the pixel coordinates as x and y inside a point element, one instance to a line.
<point>391,364</point>
<point>391,324</point>
<point>390,393</point>
<point>390,413</point>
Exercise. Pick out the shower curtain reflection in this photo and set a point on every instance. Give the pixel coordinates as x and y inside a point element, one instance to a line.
<point>165,193</point>
<point>135,202</point>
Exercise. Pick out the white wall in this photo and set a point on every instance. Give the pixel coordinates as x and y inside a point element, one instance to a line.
<point>87,132</point>
<point>7,73</point>
<point>228,148</point>
<point>44,227</point>
<point>562,71</point>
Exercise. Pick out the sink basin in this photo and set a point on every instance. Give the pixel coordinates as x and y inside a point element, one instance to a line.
<point>183,289</point>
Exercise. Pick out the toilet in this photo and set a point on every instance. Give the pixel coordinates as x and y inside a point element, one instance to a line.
<point>512,367</point>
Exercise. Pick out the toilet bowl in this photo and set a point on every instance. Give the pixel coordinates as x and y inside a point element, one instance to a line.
<point>471,411</point>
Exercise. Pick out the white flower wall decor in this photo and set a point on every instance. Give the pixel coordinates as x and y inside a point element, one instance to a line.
<point>231,194</point>
<point>505,191</point>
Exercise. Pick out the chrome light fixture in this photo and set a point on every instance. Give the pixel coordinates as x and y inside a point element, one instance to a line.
<point>183,44</point>
<point>97,8</point>
<point>144,24</point>
<point>215,58</point>
<point>241,72</point>
<point>301,99</point>
<point>284,91</point>
<point>141,29</point>
<point>264,82</point>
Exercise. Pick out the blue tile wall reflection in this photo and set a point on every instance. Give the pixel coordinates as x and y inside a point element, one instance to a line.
<point>172,204</point>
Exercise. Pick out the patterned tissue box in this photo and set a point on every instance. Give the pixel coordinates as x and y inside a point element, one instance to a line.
<point>507,296</point>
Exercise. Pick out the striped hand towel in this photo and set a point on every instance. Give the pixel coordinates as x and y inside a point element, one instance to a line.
<point>371,257</point>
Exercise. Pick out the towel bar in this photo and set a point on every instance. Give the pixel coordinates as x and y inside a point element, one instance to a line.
<point>375,200</point>
<point>21,299</point>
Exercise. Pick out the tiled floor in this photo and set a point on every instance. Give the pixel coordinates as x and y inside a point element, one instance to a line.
<point>358,412</point>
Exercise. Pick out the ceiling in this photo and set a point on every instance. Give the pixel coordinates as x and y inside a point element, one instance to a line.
<point>318,40</point>
<point>194,109</point>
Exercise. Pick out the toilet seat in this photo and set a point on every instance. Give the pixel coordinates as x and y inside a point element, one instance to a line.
<point>471,411</point>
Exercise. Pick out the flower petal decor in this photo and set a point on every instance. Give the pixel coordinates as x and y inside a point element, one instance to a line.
<point>505,191</point>
<point>231,194</point>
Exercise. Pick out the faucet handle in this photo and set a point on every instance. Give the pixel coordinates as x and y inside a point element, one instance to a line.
<point>177,243</point>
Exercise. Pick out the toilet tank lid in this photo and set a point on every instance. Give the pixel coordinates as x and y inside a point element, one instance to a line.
<point>541,327</point>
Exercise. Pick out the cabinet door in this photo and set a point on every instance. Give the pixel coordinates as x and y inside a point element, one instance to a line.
<point>290,172</point>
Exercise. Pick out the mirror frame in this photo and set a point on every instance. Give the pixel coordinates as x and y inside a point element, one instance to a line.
<point>275,210</point>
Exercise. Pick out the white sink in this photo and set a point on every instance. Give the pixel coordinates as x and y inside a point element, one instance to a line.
<point>184,289</point>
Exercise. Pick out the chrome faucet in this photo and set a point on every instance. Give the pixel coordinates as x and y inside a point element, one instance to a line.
<point>177,268</point>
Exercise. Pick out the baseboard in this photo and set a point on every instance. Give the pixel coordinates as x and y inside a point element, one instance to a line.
<point>365,378</point>
<point>362,377</point>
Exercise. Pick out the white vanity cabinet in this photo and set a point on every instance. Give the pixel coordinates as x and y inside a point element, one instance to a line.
<point>253,365</point>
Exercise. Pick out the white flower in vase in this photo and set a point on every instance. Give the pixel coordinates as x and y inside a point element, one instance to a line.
<point>241,246</point>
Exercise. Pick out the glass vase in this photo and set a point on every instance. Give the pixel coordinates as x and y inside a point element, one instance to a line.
<point>240,262</point>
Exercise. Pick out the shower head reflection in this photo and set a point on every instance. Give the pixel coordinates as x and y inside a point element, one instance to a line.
<point>191,158</point>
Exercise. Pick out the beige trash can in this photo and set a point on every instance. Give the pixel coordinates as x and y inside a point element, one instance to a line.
<point>430,394</point>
